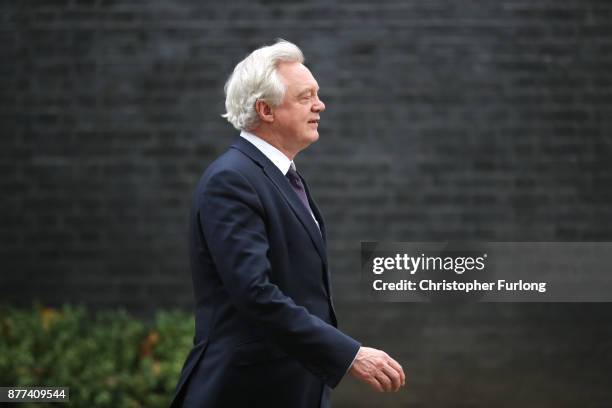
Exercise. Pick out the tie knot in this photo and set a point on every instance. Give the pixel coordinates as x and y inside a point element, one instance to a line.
<point>291,172</point>
<point>294,178</point>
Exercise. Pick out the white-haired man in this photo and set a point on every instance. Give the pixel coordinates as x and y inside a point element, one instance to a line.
<point>266,331</point>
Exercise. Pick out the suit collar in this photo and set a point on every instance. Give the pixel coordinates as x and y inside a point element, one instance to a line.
<point>282,184</point>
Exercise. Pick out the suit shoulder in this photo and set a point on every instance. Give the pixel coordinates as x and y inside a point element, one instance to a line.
<point>231,165</point>
<point>229,178</point>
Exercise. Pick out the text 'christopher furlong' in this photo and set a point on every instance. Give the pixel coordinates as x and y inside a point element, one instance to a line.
<point>473,286</point>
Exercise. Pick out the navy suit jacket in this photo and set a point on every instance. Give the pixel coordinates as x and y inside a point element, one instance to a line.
<point>265,323</point>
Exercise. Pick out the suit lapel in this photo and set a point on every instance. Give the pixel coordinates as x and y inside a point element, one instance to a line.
<point>315,210</point>
<point>323,234</point>
<point>282,184</point>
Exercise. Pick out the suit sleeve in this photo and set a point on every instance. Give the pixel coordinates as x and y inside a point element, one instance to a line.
<point>233,225</point>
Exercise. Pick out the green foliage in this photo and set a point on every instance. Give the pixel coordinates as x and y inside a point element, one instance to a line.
<point>108,360</point>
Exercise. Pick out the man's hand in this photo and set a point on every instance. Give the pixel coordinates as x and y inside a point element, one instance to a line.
<point>376,368</point>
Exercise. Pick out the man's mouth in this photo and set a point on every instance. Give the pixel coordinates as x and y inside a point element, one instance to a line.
<point>314,121</point>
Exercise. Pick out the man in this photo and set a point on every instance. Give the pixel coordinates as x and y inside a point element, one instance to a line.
<point>266,331</point>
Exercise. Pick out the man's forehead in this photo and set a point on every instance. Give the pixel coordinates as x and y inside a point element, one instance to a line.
<point>296,75</point>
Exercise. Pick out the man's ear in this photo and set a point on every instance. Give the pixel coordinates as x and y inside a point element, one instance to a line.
<point>264,111</point>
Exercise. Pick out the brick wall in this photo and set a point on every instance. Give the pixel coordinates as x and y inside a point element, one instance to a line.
<point>483,120</point>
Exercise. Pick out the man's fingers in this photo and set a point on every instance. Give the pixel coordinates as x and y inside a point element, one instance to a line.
<point>374,383</point>
<point>399,369</point>
<point>393,376</point>
<point>384,380</point>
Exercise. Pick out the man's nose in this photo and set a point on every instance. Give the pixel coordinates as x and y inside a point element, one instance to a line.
<point>319,106</point>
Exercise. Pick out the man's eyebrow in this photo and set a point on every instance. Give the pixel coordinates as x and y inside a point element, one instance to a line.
<point>308,90</point>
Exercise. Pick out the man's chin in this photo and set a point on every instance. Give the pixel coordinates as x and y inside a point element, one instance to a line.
<point>309,139</point>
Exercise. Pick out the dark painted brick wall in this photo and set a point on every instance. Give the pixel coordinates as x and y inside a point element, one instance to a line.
<point>483,120</point>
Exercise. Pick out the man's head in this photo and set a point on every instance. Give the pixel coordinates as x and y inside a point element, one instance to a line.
<point>271,93</point>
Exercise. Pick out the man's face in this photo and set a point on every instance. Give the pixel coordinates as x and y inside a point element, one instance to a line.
<point>296,119</point>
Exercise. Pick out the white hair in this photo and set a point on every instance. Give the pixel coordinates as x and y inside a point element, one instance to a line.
<point>256,78</point>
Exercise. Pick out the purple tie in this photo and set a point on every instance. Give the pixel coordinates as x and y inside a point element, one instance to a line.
<point>298,187</point>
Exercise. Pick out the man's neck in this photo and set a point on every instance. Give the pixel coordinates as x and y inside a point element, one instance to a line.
<point>275,140</point>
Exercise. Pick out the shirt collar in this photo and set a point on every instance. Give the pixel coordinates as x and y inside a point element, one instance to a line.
<point>276,156</point>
